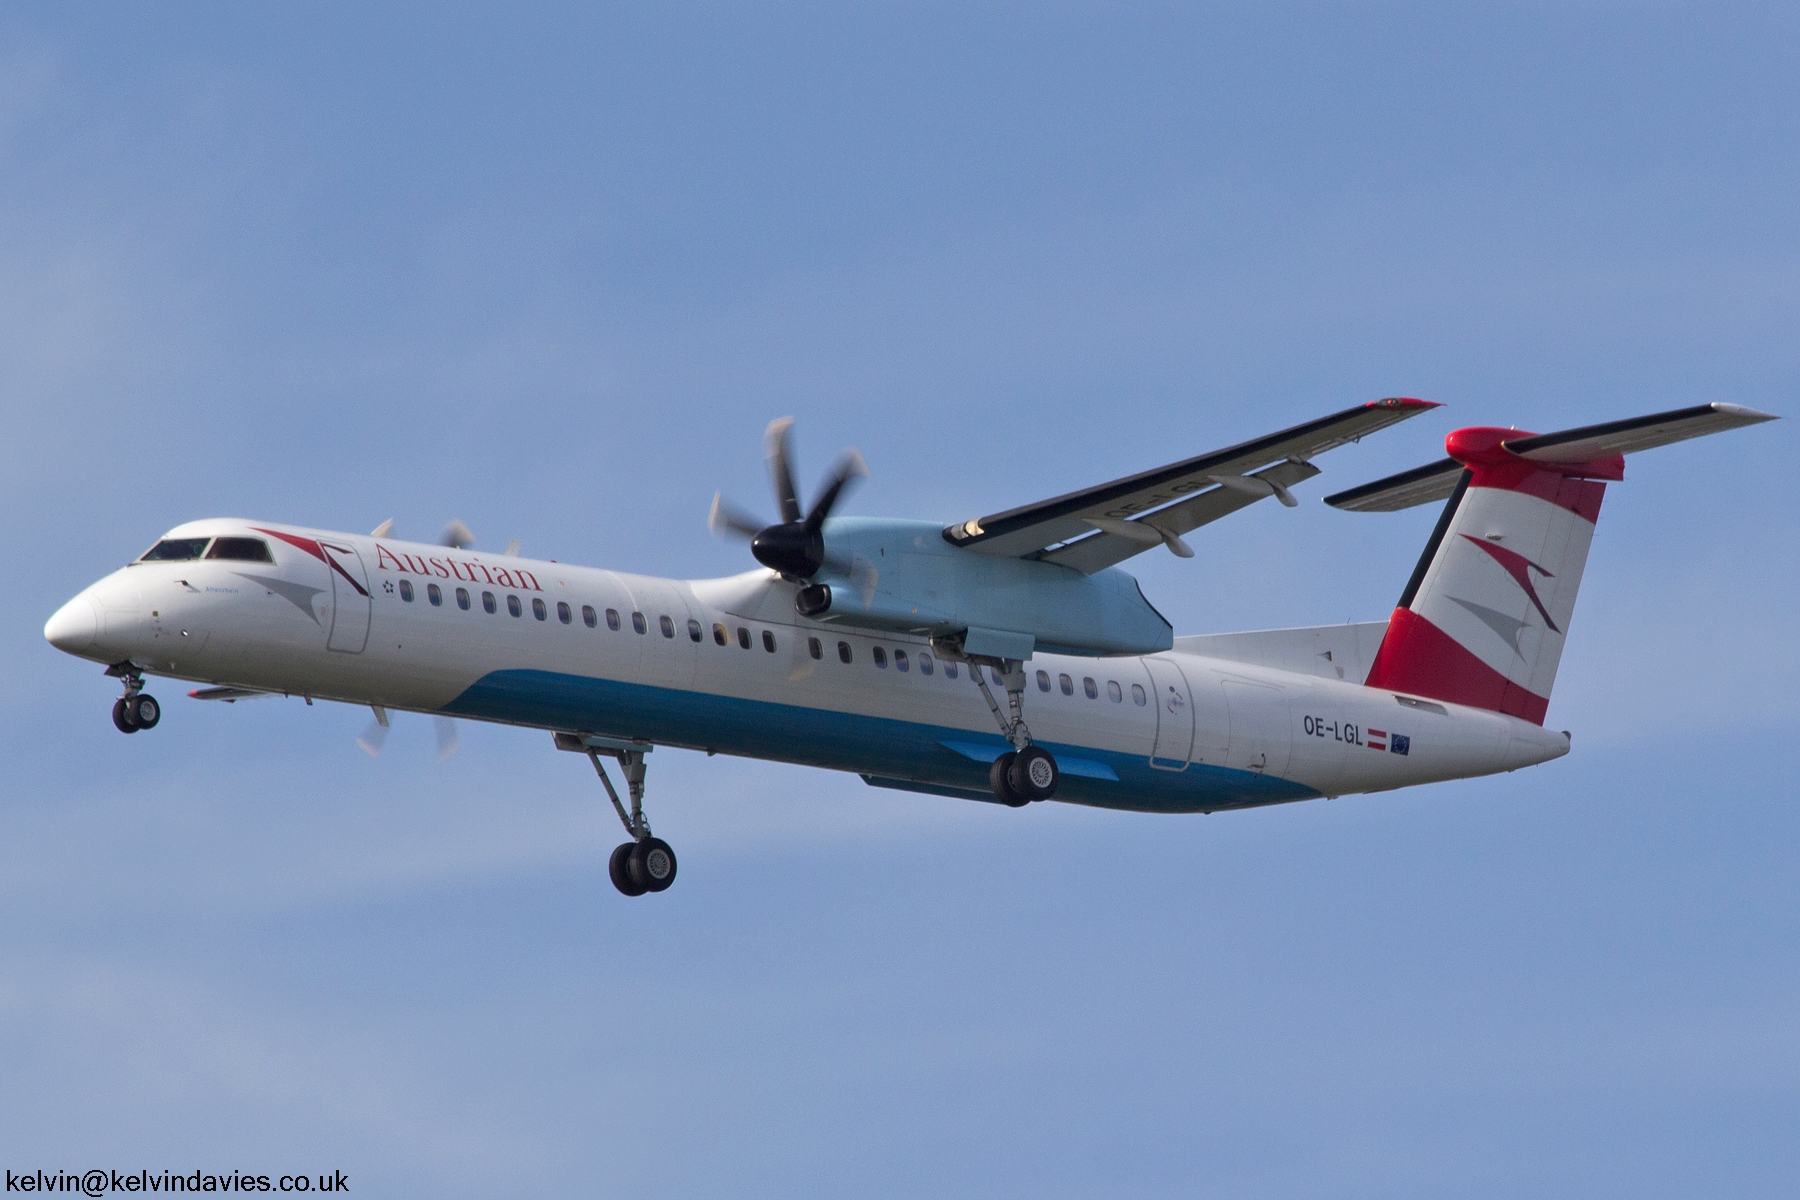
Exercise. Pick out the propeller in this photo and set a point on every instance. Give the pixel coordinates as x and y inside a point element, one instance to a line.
<point>794,547</point>
<point>375,736</point>
<point>456,535</point>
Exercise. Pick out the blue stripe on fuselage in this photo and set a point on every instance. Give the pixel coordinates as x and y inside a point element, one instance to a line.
<point>879,746</point>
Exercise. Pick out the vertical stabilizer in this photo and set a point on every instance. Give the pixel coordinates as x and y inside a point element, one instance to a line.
<point>1483,619</point>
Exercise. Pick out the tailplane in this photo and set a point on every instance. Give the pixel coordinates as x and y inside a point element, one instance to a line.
<point>1483,619</point>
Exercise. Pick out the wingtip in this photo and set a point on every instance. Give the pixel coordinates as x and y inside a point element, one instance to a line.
<point>1405,402</point>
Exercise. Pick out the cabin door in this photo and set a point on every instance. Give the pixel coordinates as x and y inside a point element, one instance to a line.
<point>1174,715</point>
<point>350,599</point>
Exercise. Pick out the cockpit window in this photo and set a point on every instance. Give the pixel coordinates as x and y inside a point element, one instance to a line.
<point>175,550</point>
<point>240,549</point>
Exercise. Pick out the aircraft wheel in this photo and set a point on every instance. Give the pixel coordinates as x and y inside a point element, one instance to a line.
<point>145,711</point>
<point>652,864</point>
<point>1000,779</point>
<point>619,867</point>
<point>1033,774</point>
<point>122,717</point>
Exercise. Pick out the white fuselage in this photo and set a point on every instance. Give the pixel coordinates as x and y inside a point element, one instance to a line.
<point>1175,731</point>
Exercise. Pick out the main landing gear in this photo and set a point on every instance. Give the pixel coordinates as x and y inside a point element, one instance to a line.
<point>1026,772</point>
<point>646,863</point>
<point>136,709</point>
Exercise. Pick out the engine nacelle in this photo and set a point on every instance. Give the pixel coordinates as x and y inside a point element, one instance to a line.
<point>902,576</point>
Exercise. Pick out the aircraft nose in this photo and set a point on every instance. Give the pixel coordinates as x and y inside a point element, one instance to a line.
<point>74,627</point>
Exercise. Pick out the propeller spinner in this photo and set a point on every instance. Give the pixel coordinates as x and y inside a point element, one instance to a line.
<point>794,547</point>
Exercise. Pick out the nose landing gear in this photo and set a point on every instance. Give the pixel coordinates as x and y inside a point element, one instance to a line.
<point>136,709</point>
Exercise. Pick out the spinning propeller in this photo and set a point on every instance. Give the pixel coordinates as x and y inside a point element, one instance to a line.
<point>456,536</point>
<point>795,547</point>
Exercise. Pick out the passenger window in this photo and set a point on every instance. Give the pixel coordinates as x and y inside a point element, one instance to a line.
<point>743,637</point>
<point>814,648</point>
<point>844,654</point>
<point>768,641</point>
<point>719,634</point>
<point>1091,688</point>
<point>514,607</point>
<point>924,663</point>
<point>174,550</point>
<point>1043,681</point>
<point>900,660</point>
<point>1067,685</point>
<point>240,549</point>
<point>1112,689</point>
<point>462,599</point>
<point>1137,695</point>
<point>564,614</point>
<point>666,625</point>
<point>695,633</point>
<point>880,657</point>
<point>434,594</point>
<point>538,610</point>
<point>949,670</point>
<point>406,592</point>
<point>589,617</point>
<point>639,623</point>
<point>489,604</point>
<point>612,619</point>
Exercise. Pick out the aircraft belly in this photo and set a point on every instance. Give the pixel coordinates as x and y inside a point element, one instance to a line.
<point>882,746</point>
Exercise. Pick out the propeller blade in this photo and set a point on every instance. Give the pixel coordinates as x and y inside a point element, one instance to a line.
<point>727,517</point>
<point>850,467</point>
<point>373,739</point>
<point>448,737</point>
<point>456,535</point>
<point>781,471</point>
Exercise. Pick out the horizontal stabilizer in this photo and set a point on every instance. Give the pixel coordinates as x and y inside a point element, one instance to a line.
<point>1587,445</point>
<point>1421,485</point>
<point>1592,442</point>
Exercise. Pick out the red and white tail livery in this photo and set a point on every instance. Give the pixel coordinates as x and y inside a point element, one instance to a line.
<point>1483,620</point>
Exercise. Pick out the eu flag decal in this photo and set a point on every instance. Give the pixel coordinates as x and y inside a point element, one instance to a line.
<point>1399,743</point>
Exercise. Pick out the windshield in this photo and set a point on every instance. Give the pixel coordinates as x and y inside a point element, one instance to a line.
<point>175,550</point>
<point>241,548</point>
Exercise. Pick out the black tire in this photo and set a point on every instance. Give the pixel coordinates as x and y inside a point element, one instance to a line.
<point>619,867</point>
<point>1033,774</point>
<point>145,711</point>
<point>999,778</point>
<point>122,718</point>
<point>652,865</point>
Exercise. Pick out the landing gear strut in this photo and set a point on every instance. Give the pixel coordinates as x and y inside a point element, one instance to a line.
<point>1026,772</point>
<point>645,863</point>
<point>136,709</point>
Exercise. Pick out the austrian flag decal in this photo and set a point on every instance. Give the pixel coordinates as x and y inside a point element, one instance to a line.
<point>1397,743</point>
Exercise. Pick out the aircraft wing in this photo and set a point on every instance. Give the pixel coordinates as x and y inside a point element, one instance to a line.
<point>229,695</point>
<point>1588,443</point>
<point>1102,525</point>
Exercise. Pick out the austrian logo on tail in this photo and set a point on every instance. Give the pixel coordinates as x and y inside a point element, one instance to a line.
<point>1519,567</point>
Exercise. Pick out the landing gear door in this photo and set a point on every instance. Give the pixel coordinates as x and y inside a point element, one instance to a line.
<point>350,599</point>
<point>1174,715</point>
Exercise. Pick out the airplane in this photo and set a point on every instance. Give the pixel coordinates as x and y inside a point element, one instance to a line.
<point>912,652</point>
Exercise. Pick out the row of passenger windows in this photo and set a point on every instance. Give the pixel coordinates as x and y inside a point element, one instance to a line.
<point>723,637</point>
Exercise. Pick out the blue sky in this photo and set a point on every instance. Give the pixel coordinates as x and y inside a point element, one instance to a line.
<point>552,271</point>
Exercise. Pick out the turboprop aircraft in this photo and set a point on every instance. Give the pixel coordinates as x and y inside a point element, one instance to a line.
<point>877,646</point>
